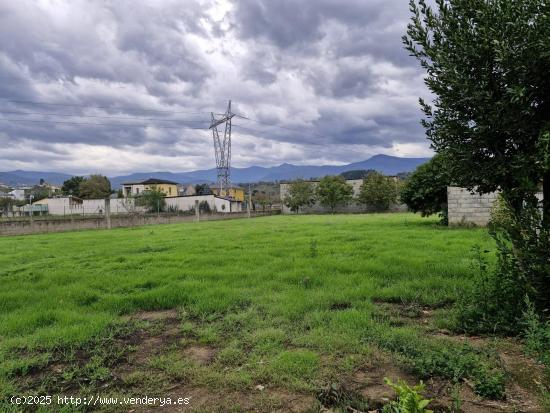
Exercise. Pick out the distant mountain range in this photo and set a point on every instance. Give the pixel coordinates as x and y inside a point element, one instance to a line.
<point>388,165</point>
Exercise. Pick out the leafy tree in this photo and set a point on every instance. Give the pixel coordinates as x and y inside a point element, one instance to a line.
<point>426,189</point>
<point>357,174</point>
<point>487,64</point>
<point>72,186</point>
<point>262,198</point>
<point>6,205</point>
<point>38,192</point>
<point>300,194</point>
<point>204,207</point>
<point>202,189</point>
<point>334,191</point>
<point>152,199</point>
<point>95,187</point>
<point>378,192</point>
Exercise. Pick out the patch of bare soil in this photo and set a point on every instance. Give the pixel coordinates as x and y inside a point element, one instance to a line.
<point>204,400</point>
<point>525,375</point>
<point>159,315</point>
<point>368,381</point>
<point>161,330</point>
<point>201,355</point>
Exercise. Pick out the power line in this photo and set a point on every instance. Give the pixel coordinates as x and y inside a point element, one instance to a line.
<point>283,127</point>
<point>31,102</point>
<point>104,117</point>
<point>100,124</point>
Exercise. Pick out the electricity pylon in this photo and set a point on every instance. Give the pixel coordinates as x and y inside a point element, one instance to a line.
<point>222,149</point>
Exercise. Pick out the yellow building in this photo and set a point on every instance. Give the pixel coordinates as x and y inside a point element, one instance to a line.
<point>236,193</point>
<point>169,188</point>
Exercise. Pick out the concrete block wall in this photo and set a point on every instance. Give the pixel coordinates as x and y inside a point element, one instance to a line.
<point>467,208</point>
<point>23,227</point>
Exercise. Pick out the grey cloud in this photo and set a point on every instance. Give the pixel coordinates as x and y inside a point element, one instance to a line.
<point>332,73</point>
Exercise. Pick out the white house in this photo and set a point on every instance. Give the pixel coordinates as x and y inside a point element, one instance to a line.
<point>216,204</point>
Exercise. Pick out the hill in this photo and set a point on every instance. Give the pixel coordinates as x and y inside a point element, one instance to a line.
<point>388,165</point>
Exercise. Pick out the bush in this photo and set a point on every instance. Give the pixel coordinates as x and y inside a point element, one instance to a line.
<point>452,361</point>
<point>378,192</point>
<point>153,200</point>
<point>494,303</point>
<point>204,207</point>
<point>300,194</point>
<point>409,399</point>
<point>536,335</point>
<point>333,192</point>
<point>426,189</point>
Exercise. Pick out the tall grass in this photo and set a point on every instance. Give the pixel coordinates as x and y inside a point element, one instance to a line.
<point>288,287</point>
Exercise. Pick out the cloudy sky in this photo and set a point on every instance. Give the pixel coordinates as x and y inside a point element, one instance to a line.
<point>124,86</point>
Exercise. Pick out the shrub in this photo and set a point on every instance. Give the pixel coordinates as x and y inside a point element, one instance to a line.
<point>204,207</point>
<point>536,335</point>
<point>494,303</point>
<point>426,189</point>
<point>409,399</point>
<point>153,200</point>
<point>378,192</point>
<point>334,191</point>
<point>300,194</point>
<point>449,360</point>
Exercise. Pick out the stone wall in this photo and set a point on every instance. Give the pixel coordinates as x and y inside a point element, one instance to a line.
<point>467,208</point>
<point>23,227</point>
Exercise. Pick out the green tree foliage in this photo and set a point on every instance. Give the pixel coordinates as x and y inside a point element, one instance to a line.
<point>95,187</point>
<point>300,194</point>
<point>152,199</point>
<point>202,189</point>
<point>378,192</point>
<point>334,191</point>
<point>6,205</point>
<point>72,186</point>
<point>426,189</point>
<point>204,207</point>
<point>357,174</point>
<point>38,192</point>
<point>487,64</point>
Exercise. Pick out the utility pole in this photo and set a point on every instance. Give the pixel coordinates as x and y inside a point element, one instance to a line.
<point>31,217</point>
<point>222,150</point>
<point>249,200</point>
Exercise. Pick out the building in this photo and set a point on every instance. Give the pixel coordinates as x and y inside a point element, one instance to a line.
<point>189,190</point>
<point>18,194</point>
<point>215,203</point>
<point>169,188</point>
<point>235,193</point>
<point>69,205</point>
<point>465,207</point>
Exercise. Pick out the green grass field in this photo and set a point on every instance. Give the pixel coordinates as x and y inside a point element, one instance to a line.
<point>265,312</point>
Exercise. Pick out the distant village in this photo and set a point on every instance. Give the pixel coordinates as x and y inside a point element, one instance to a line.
<point>52,199</point>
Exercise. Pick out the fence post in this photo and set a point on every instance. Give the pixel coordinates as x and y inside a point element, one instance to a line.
<point>249,203</point>
<point>197,212</point>
<point>108,212</point>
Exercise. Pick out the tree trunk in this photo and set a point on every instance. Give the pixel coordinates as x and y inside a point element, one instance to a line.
<point>546,200</point>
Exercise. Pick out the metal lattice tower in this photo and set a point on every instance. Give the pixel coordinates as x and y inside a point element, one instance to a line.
<point>222,149</point>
